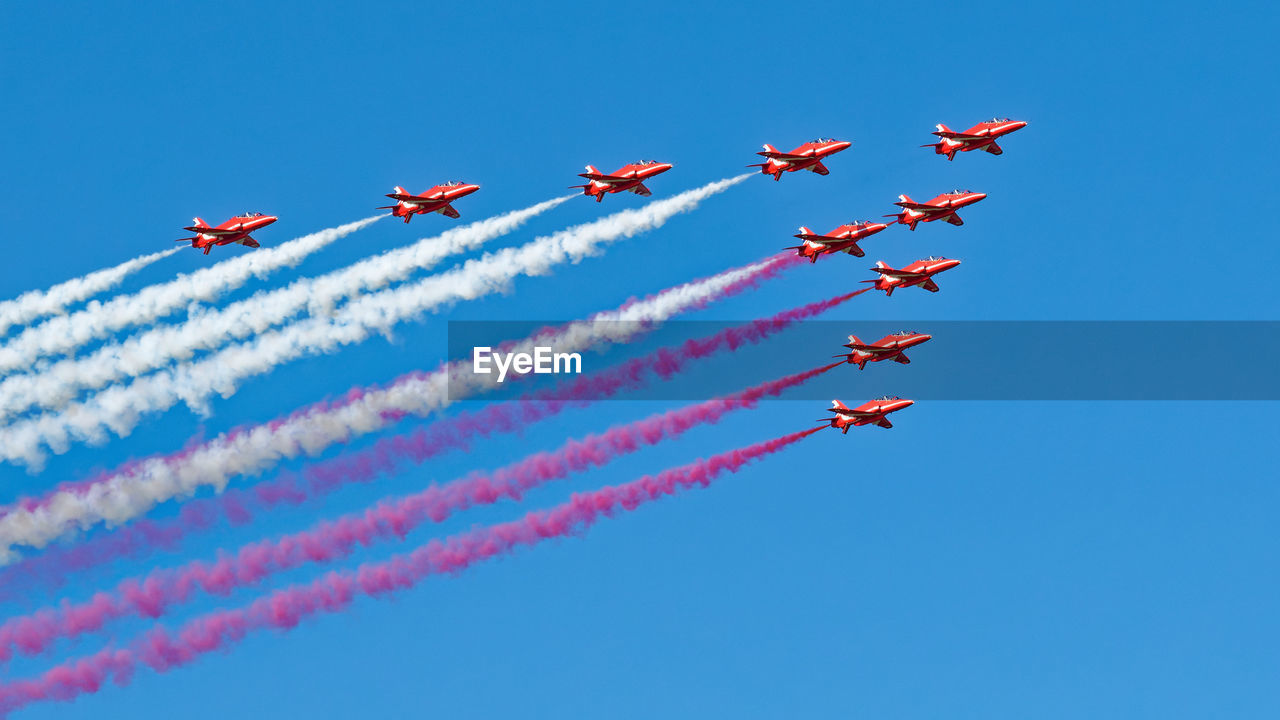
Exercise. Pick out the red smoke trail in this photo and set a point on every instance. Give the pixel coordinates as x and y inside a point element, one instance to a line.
<point>284,609</point>
<point>389,455</point>
<point>774,266</point>
<point>52,566</point>
<point>390,519</point>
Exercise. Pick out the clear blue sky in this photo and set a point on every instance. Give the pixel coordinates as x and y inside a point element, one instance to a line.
<point>981,560</point>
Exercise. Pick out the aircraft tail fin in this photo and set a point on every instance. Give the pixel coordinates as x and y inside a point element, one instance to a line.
<point>837,405</point>
<point>854,340</point>
<point>943,131</point>
<point>770,148</point>
<point>905,199</point>
<point>197,222</point>
<point>804,231</point>
<point>401,191</point>
<point>592,170</point>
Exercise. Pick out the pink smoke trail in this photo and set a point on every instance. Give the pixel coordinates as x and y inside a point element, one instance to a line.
<point>389,455</point>
<point>283,609</point>
<point>153,595</point>
<point>766,270</point>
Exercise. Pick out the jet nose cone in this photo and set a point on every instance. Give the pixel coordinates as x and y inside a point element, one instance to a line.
<point>269,219</point>
<point>978,196</point>
<point>843,144</point>
<point>908,403</point>
<point>1019,125</point>
<point>924,338</point>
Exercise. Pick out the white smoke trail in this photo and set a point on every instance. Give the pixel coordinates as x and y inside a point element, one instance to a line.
<point>65,333</point>
<point>61,382</point>
<point>36,304</point>
<point>132,492</point>
<point>119,409</point>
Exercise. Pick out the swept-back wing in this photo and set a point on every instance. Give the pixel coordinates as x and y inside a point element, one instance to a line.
<point>895,273</point>
<point>210,231</point>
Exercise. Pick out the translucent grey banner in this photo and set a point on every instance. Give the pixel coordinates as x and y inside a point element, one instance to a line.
<point>1226,360</point>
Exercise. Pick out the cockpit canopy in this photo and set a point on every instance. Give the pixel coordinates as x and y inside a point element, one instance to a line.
<point>647,162</point>
<point>453,183</point>
<point>249,214</point>
<point>887,398</point>
<point>934,258</point>
<point>960,192</point>
<point>904,333</point>
<point>998,120</point>
<point>820,141</point>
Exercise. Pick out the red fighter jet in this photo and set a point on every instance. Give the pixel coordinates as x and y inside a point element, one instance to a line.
<point>806,157</point>
<point>979,137</point>
<point>235,230</point>
<point>920,273</point>
<point>436,200</point>
<point>889,347</point>
<point>942,207</point>
<point>628,178</point>
<point>843,239</point>
<point>873,412</point>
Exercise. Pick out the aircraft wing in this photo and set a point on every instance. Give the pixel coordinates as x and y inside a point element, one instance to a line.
<point>641,190</point>
<point>603,178</point>
<point>211,231</point>
<point>896,273</point>
<point>929,285</point>
<point>248,242</point>
<point>853,413</point>
<point>873,349</point>
<point>411,198</point>
<point>884,422</point>
<point>819,168</point>
<point>955,220</point>
<point>994,149</point>
<point>781,155</point>
<point>448,211</point>
<point>917,206</point>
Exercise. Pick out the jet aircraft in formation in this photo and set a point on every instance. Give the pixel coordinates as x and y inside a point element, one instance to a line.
<point>942,207</point>
<point>631,178</point>
<point>438,200</point>
<point>843,239</point>
<point>890,347</point>
<point>920,273</point>
<point>979,137</point>
<point>872,412</point>
<point>628,178</point>
<point>808,156</point>
<point>235,230</point>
